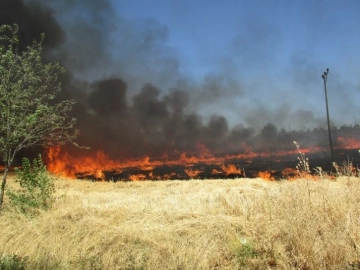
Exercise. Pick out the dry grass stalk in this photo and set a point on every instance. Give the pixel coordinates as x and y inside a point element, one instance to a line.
<point>303,167</point>
<point>223,224</point>
<point>346,168</point>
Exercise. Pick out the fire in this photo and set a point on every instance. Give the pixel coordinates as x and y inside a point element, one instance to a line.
<point>204,152</point>
<point>137,177</point>
<point>97,165</point>
<point>266,175</point>
<point>192,173</point>
<point>215,172</point>
<point>99,174</point>
<point>188,160</point>
<point>230,169</point>
<point>60,162</point>
<point>289,173</point>
<point>348,143</point>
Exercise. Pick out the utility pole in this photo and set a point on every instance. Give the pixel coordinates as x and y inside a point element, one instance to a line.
<point>324,77</point>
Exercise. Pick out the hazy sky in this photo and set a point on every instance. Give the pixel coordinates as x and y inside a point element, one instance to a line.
<point>273,52</point>
<point>252,61</point>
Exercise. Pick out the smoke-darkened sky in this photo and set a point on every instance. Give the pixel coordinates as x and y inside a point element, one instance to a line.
<point>252,61</point>
<point>260,61</point>
<point>159,76</point>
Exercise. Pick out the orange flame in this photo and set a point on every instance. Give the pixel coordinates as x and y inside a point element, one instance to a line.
<point>289,173</point>
<point>266,175</point>
<point>230,169</point>
<point>215,171</point>
<point>348,143</point>
<point>96,163</point>
<point>192,173</point>
<point>137,177</point>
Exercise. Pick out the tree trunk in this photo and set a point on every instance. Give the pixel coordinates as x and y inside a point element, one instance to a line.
<point>3,183</point>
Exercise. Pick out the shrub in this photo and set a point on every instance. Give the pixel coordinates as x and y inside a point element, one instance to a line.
<point>244,251</point>
<point>36,186</point>
<point>13,262</point>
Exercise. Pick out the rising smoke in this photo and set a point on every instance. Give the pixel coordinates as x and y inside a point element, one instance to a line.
<point>134,98</point>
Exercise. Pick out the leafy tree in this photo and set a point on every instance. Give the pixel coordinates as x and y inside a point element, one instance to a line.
<point>29,113</point>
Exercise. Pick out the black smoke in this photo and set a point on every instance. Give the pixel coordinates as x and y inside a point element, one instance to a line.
<point>133,98</point>
<point>33,20</point>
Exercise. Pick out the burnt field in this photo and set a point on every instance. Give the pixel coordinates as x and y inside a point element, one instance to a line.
<point>272,167</point>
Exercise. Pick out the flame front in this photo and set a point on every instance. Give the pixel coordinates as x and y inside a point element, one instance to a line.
<point>348,143</point>
<point>96,164</point>
<point>267,175</point>
<point>230,169</point>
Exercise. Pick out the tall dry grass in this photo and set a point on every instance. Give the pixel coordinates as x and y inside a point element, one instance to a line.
<point>218,224</point>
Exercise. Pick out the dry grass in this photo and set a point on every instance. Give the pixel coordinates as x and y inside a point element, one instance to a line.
<point>218,224</point>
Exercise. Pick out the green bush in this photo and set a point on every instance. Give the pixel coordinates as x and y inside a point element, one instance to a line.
<point>13,262</point>
<point>244,251</point>
<point>36,186</point>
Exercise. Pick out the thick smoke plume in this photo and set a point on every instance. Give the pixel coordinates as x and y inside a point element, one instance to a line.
<point>134,98</point>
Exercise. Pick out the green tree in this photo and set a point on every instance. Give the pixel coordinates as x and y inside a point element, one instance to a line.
<point>29,113</point>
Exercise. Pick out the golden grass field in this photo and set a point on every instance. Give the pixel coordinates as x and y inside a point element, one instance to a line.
<point>196,224</point>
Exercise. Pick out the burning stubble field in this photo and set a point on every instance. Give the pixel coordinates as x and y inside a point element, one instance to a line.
<point>196,224</point>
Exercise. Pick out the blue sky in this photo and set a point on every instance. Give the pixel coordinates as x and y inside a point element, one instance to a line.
<point>252,61</point>
<point>203,30</point>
